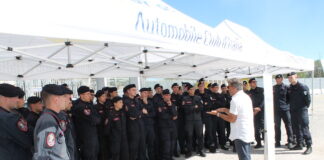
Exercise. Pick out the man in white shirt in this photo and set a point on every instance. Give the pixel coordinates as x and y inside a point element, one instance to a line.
<point>240,115</point>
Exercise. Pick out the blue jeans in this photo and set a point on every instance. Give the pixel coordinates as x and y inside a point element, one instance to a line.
<point>243,149</point>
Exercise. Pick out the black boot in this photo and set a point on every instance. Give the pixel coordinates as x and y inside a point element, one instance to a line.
<point>309,150</point>
<point>297,147</point>
<point>290,145</point>
<point>201,154</point>
<point>224,148</point>
<point>277,145</point>
<point>188,155</point>
<point>258,145</point>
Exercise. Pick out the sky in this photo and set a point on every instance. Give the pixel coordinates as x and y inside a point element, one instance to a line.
<point>296,26</point>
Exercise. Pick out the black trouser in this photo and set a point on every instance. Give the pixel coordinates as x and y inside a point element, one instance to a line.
<point>258,127</point>
<point>103,144</point>
<point>300,122</point>
<point>149,139</point>
<point>285,116</point>
<point>157,143</point>
<point>181,133</point>
<point>228,130</point>
<point>166,143</point>
<point>194,127</point>
<point>175,137</point>
<point>219,127</point>
<point>136,140</point>
<point>90,148</point>
<point>208,130</point>
<point>119,147</point>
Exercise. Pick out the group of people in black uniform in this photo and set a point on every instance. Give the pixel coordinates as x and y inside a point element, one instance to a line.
<point>138,126</point>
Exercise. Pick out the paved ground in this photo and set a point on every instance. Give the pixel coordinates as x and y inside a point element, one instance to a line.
<point>317,131</point>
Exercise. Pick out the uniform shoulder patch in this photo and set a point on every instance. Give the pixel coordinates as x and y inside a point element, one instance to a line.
<point>50,139</point>
<point>22,125</point>
<point>87,111</point>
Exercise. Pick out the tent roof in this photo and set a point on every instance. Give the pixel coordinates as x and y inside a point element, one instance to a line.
<point>128,38</point>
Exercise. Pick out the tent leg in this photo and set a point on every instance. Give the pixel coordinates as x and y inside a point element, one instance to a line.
<point>312,92</point>
<point>269,150</point>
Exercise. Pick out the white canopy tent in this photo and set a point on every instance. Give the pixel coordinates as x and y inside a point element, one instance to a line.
<point>119,38</point>
<point>130,38</point>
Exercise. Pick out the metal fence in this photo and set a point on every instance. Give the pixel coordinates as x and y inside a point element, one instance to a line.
<point>33,87</point>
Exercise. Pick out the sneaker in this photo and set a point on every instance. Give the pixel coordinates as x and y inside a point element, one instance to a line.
<point>309,150</point>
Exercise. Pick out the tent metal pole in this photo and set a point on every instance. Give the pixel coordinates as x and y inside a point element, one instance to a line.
<point>50,56</point>
<point>41,46</point>
<point>269,150</point>
<point>312,92</point>
<point>82,59</point>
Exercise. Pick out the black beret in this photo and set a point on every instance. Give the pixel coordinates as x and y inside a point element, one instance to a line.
<point>166,91</point>
<point>279,76</point>
<point>244,82</point>
<point>64,85</point>
<point>91,91</point>
<point>157,85</point>
<point>116,99</point>
<point>54,89</point>
<point>149,89</point>
<point>112,89</point>
<point>144,89</point>
<point>67,91</point>
<point>201,80</point>
<point>174,84</point>
<point>214,85</point>
<point>8,90</point>
<point>129,87</point>
<point>21,93</point>
<point>224,85</point>
<point>105,89</point>
<point>185,84</point>
<point>99,93</point>
<point>209,85</point>
<point>252,79</point>
<point>33,100</point>
<point>190,86</point>
<point>83,89</point>
<point>291,74</point>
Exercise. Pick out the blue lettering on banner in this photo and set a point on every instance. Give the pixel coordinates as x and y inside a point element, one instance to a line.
<point>185,33</point>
